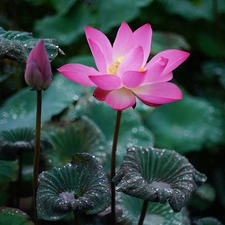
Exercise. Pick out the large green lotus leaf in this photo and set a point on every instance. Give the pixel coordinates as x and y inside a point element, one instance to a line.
<point>61,6</point>
<point>8,173</point>
<point>20,109</point>
<point>132,131</point>
<point>193,10</point>
<point>14,216</point>
<point>16,45</point>
<point>63,28</point>
<point>187,125</point>
<point>163,41</point>
<point>158,175</point>
<point>208,221</point>
<point>71,137</point>
<point>81,185</point>
<point>111,13</point>
<point>157,214</point>
<point>104,15</point>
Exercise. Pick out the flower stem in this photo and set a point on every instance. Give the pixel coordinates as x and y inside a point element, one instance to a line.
<point>37,151</point>
<point>76,218</point>
<point>143,212</point>
<point>113,166</point>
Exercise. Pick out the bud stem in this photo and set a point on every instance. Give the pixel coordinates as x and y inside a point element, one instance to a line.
<point>37,152</point>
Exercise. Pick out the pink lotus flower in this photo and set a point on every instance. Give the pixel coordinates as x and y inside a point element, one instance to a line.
<point>38,73</point>
<point>123,72</point>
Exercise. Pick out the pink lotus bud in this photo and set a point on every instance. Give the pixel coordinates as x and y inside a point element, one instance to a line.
<point>38,73</point>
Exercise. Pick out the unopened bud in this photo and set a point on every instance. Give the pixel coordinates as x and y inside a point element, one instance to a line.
<point>38,73</point>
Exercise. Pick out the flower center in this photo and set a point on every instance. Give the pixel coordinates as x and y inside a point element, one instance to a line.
<point>114,67</point>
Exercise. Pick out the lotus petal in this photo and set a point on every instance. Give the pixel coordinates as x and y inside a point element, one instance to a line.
<point>158,175</point>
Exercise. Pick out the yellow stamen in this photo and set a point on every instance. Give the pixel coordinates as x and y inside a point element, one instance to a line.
<point>142,69</point>
<point>114,67</point>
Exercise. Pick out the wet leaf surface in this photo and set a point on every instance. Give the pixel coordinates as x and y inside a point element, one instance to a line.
<point>20,109</point>
<point>187,125</point>
<point>132,131</point>
<point>14,216</point>
<point>13,142</point>
<point>71,137</point>
<point>78,186</point>
<point>16,45</point>
<point>158,175</point>
<point>208,221</point>
<point>157,214</point>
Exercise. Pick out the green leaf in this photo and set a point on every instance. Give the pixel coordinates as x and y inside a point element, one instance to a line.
<point>14,216</point>
<point>193,10</point>
<point>65,28</point>
<point>208,221</point>
<point>115,11</point>
<point>62,6</point>
<point>71,137</point>
<point>13,142</point>
<point>158,175</point>
<point>157,214</point>
<point>132,132</point>
<point>8,173</point>
<point>20,109</point>
<point>162,41</point>
<point>187,125</point>
<point>78,186</point>
<point>16,45</point>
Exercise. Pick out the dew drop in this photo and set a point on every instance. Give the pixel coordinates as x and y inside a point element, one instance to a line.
<point>134,130</point>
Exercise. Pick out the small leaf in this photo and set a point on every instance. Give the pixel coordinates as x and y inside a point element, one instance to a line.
<point>14,216</point>
<point>208,221</point>
<point>71,137</point>
<point>14,141</point>
<point>16,45</point>
<point>78,186</point>
<point>158,175</point>
<point>157,214</point>
<point>8,173</point>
